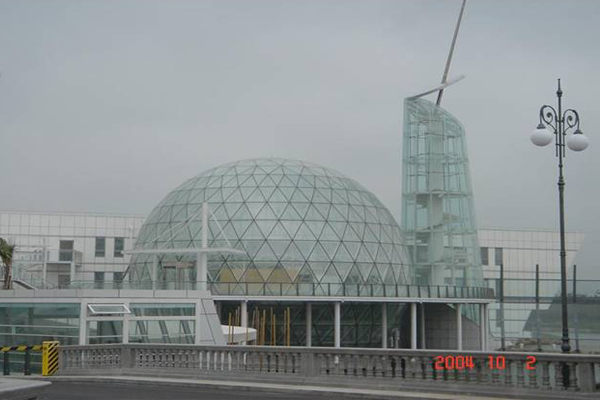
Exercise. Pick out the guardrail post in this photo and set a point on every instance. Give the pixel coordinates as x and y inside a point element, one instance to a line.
<point>6,363</point>
<point>27,366</point>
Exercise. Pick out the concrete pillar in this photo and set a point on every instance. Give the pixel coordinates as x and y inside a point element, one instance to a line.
<point>308,324</point>
<point>384,326</point>
<point>459,334</point>
<point>413,326</point>
<point>337,323</point>
<point>422,324</point>
<point>482,326</point>
<point>244,316</point>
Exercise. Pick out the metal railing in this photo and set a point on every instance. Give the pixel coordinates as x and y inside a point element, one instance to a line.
<point>386,367</point>
<point>283,289</point>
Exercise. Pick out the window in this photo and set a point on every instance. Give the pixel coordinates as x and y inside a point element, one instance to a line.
<point>100,247</point>
<point>119,247</point>
<point>65,250</point>
<point>98,280</point>
<point>485,259</point>
<point>498,258</point>
<point>108,309</point>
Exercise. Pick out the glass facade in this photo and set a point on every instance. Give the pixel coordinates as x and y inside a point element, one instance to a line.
<point>297,223</point>
<point>438,213</point>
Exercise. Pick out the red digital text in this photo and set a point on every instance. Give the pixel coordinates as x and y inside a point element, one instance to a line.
<point>466,362</point>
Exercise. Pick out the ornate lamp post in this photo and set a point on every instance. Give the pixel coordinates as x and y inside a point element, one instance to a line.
<point>560,122</point>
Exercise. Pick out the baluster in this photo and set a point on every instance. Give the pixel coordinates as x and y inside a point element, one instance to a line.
<point>546,375</point>
<point>520,373</point>
<point>573,383</point>
<point>533,377</point>
<point>428,365</point>
<point>558,375</point>
<point>413,367</point>
<point>508,381</point>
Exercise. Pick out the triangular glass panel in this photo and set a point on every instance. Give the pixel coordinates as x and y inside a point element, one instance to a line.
<point>265,226</point>
<point>292,253</point>
<point>343,254</point>
<point>278,208</point>
<point>279,247</point>
<point>256,196</point>
<point>279,233</point>
<point>266,213</point>
<point>235,196</point>
<point>279,275</point>
<point>267,191</point>
<point>323,209</point>
<point>305,247</point>
<point>253,232</point>
<point>291,227</point>
<point>265,253</point>
<point>354,275</point>
<point>330,248</point>
<point>242,214</point>
<point>363,255</point>
<point>329,234</point>
<point>306,181</point>
<point>278,197</point>
<point>300,273</point>
<point>316,227</point>
<point>318,253</point>
<point>339,196</point>
<point>299,197</point>
<point>330,275</point>
<point>319,198</point>
<point>252,274</point>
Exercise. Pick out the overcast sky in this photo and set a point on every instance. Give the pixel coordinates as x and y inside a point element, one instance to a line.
<point>106,106</point>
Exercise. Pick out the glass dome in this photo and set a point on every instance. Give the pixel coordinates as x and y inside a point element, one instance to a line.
<point>297,223</point>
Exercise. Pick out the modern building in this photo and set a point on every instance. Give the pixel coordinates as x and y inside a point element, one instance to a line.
<point>295,238</point>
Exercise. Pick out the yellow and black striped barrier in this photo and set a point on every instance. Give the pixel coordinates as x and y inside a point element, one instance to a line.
<point>49,358</point>
<point>26,349</point>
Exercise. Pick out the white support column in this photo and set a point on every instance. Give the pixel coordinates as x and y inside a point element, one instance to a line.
<point>154,271</point>
<point>459,334</point>
<point>337,323</point>
<point>422,324</point>
<point>413,326</point>
<point>201,271</point>
<point>308,324</point>
<point>384,326</point>
<point>482,326</point>
<point>200,319</point>
<point>126,326</point>
<point>72,272</point>
<point>244,319</point>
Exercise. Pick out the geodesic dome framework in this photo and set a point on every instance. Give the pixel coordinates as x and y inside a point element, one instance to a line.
<point>297,222</point>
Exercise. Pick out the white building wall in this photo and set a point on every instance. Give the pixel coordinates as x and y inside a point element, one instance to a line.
<point>42,232</point>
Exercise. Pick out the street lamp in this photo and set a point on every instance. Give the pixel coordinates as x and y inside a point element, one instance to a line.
<point>560,122</point>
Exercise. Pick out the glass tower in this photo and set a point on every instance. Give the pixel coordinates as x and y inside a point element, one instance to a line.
<point>438,214</point>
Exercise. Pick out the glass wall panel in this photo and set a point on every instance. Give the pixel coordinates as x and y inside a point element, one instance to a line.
<point>159,331</point>
<point>33,323</point>
<point>162,310</point>
<point>105,332</point>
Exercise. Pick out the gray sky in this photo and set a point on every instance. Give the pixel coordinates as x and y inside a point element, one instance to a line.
<point>106,106</point>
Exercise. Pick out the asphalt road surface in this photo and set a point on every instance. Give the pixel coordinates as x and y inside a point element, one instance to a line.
<point>118,391</point>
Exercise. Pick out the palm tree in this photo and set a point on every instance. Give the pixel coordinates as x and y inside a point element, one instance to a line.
<point>6,255</point>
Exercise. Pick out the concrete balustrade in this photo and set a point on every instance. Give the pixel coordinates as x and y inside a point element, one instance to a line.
<point>573,372</point>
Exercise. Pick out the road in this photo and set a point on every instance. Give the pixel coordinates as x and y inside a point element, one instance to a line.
<point>117,391</point>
